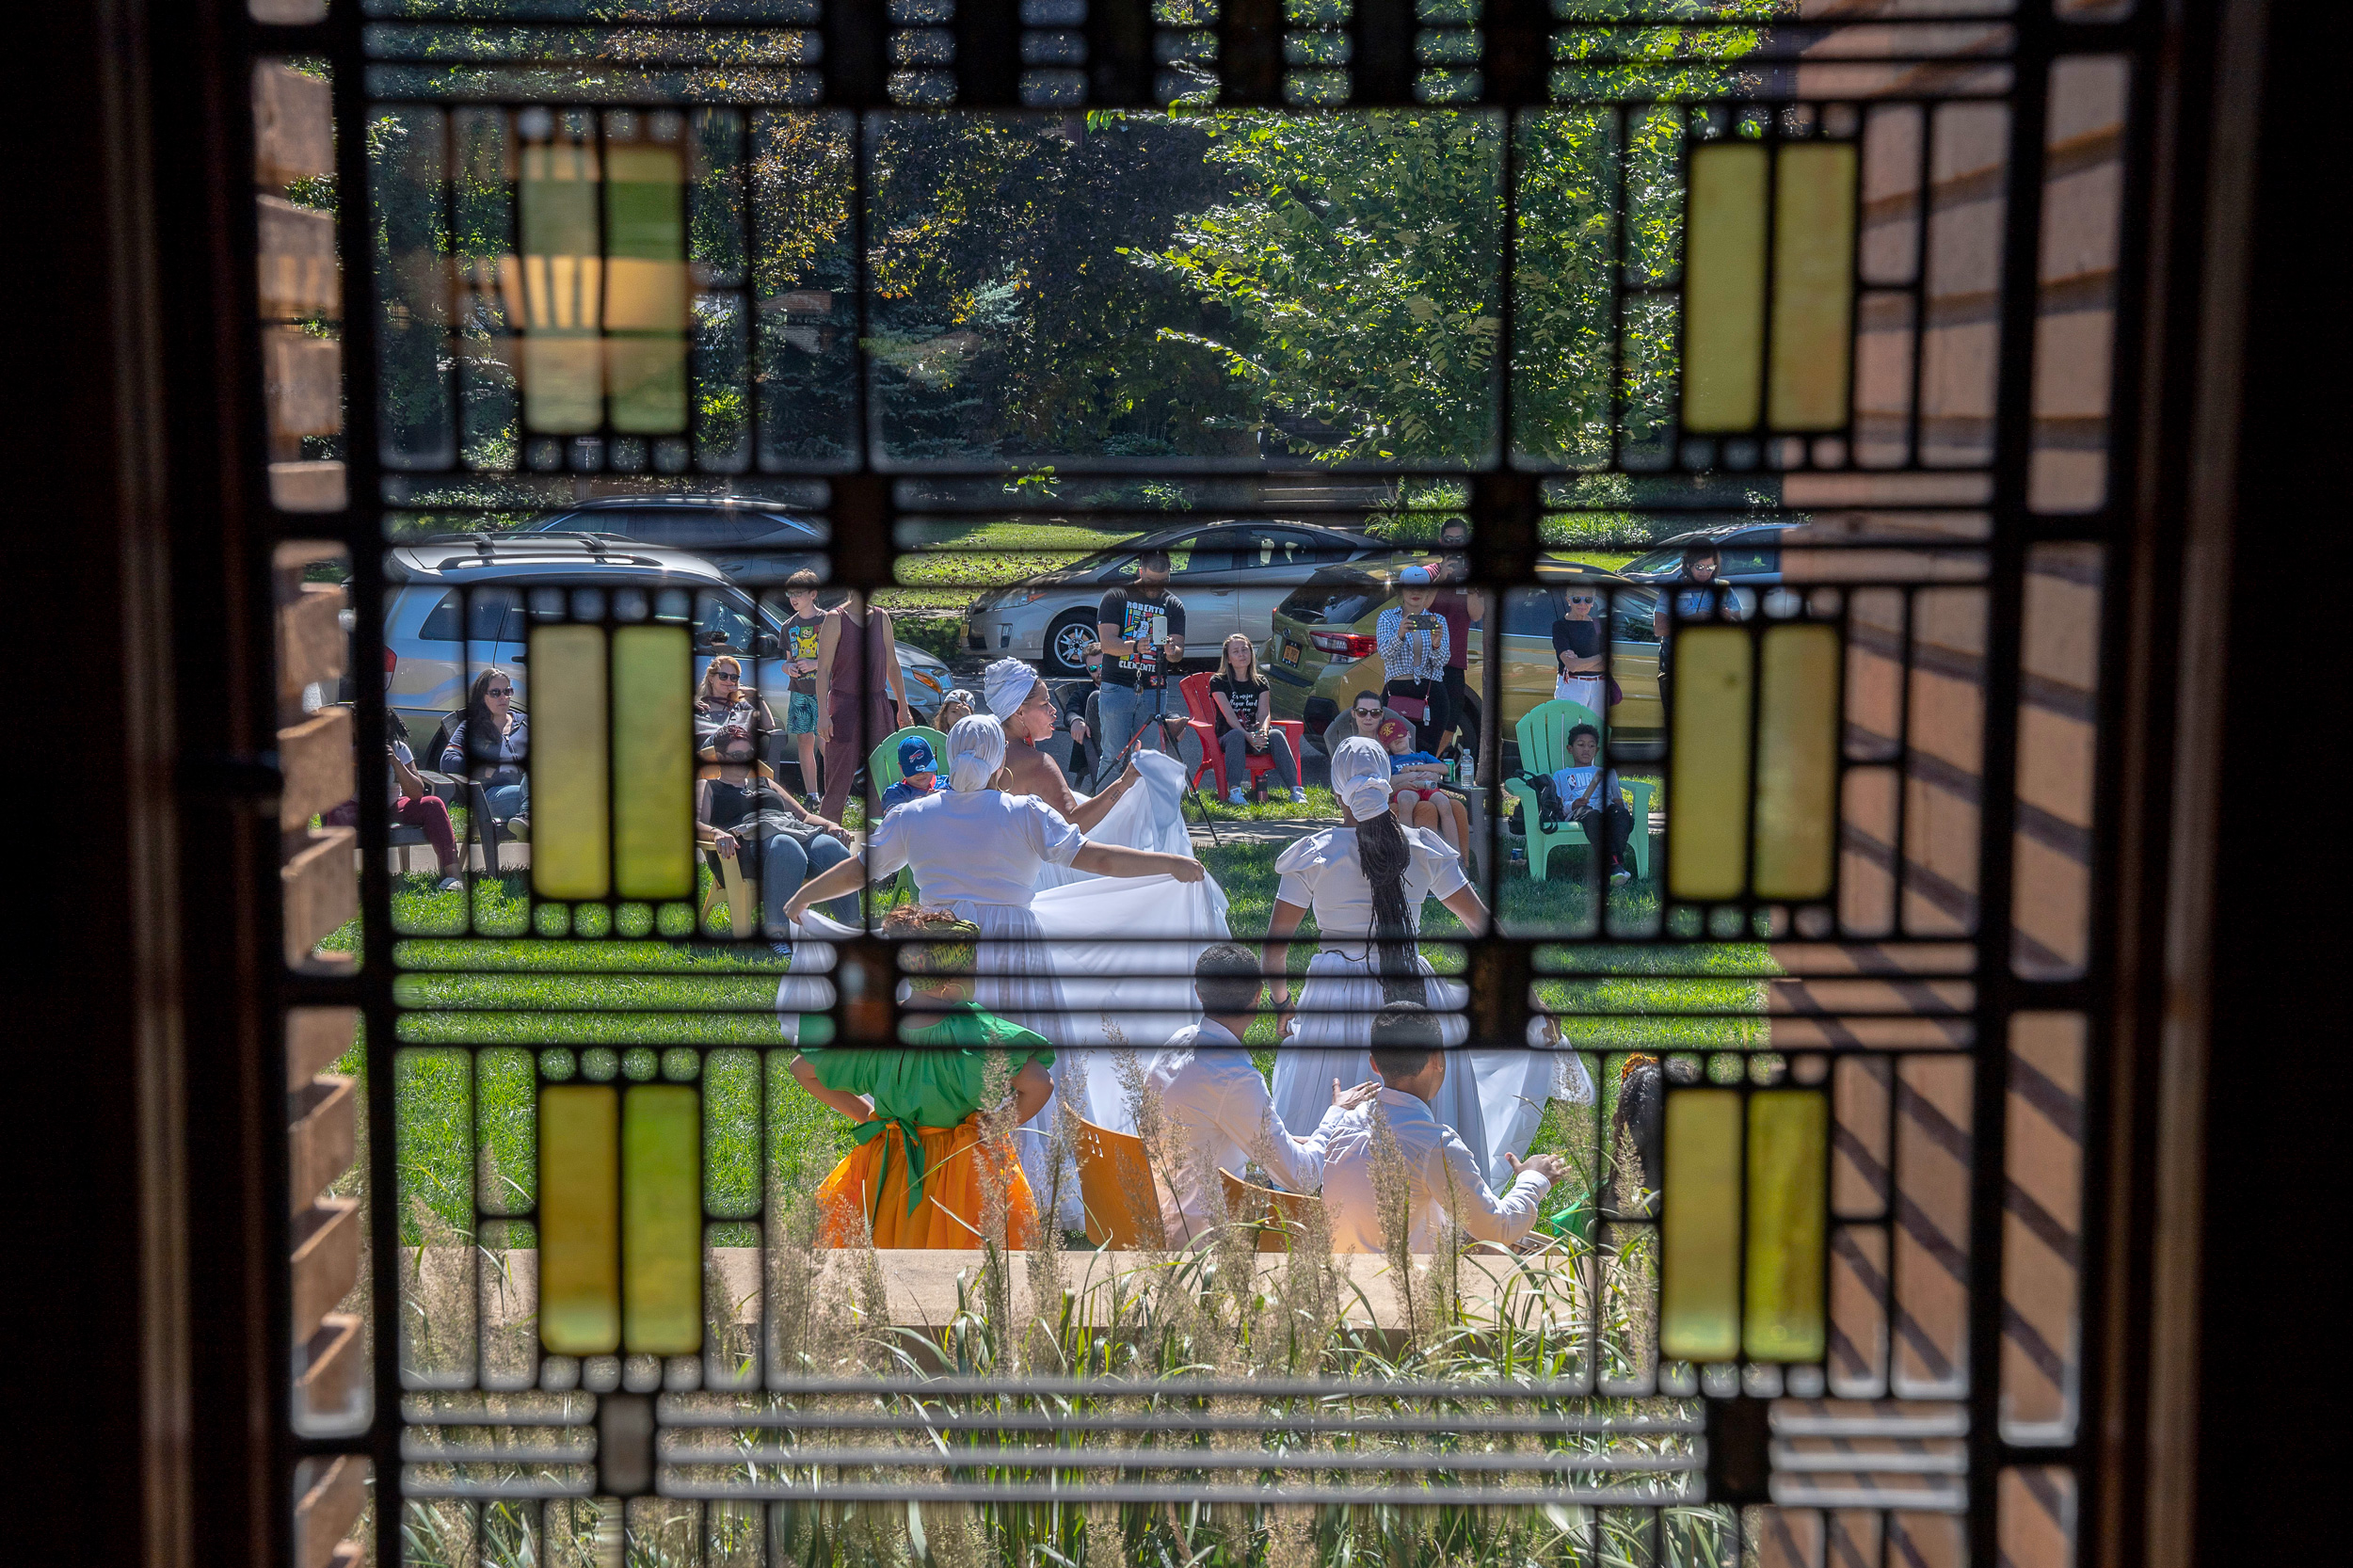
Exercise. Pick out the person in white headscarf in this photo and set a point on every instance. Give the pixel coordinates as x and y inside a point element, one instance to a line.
<point>1366,880</point>
<point>976,851</point>
<point>1023,705</point>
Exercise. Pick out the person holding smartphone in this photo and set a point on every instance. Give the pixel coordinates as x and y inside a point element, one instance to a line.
<point>1142,628</point>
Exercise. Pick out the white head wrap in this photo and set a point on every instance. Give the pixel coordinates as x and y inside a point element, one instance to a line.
<point>976,749</point>
<point>1008,683</point>
<point>1360,776</point>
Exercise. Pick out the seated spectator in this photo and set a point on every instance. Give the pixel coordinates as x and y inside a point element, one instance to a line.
<point>414,804</point>
<point>1420,799</point>
<point>918,774</point>
<point>1589,797</point>
<point>1364,715</point>
<point>1216,1105</point>
<point>1245,721</point>
<point>743,816</point>
<point>1440,1182</point>
<point>1073,702</point>
<point>490,746</point>
<point>957,704</point>
<point>722,696</point>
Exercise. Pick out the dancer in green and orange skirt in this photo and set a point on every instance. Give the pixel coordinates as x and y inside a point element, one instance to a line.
<point>931,1152</point>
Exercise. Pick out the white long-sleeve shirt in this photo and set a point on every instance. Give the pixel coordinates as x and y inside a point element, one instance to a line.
<point>1441,1177</point>
<point>1222,1116</point>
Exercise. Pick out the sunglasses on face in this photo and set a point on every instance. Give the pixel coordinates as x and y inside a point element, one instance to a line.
<point>499,690</point>
<point>718,678</point>
<point>1368,712</point>
<point>1578,599</point>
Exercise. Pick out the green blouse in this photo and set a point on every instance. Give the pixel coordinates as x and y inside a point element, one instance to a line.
<point>936,1081</point>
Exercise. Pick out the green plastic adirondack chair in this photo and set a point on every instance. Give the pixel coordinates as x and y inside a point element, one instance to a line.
<point>882,770</point>
<point>1544,739</point>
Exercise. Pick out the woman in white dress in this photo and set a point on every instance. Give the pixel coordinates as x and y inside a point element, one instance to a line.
<point>977,851</point>
<point>1366,880</point>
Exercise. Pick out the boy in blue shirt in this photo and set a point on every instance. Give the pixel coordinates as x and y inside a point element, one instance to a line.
<point>919,773</point>
<point>1589,798</point>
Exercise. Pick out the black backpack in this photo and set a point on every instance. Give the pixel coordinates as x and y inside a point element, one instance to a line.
<point>1549,813</point>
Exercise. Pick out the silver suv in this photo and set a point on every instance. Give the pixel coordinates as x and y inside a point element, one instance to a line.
<point>454,605</point>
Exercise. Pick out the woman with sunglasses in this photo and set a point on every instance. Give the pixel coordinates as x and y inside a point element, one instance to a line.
<point>495,738</point>
<point>721,699</point>
<point>1576,644</point>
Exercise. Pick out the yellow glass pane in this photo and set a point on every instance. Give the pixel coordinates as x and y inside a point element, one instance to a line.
<point>571,849</point>
<point>1788,1184</point>
<point>1797,763</point>
<point>1700,1243</point>
<point>653,763</point>
<point>1724,289</point>
<point>579,1220</point>
<point>662,1221</point>
<point>563,273</point>
<point>1707,830</point>
<point>1814,217</point>
<point>645,300</point>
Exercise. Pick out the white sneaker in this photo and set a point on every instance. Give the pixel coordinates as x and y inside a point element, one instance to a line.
<point>1299,796</point>
<point>1236,797</point>
<point>1621,874</point>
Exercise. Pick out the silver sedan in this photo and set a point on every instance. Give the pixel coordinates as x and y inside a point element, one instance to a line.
<point>1230,575</point>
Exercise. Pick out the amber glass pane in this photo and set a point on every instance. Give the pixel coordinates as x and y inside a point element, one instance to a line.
<point>1708,835</point>
<point>662,1301</point>
<point>1723,302</point>
<point>653,763</point>
<point>1700,1315</point>
<point>580,1220</point>
<point>1812,284</point>
<point>1797,764</point>
<point>572,806</point>
<point>1788,1140</point>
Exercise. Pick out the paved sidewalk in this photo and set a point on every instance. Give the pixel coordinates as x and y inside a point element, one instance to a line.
<point>1261,830</point>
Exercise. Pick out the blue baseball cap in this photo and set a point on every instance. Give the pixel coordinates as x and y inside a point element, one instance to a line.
<point>915,756</point>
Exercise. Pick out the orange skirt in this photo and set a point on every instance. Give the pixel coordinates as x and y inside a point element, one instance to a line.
<point>871,1185</point>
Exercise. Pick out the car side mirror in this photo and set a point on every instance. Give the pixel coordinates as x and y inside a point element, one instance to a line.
<point>765,645</point>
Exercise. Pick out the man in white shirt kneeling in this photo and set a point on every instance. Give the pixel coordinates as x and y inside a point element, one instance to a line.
<point>1441,1179</point>
<point>1217,1107</point>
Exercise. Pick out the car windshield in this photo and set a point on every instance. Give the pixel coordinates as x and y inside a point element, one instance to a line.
<point>1668,559</point>
<point>1739,555</point>
<point>1334,600</point>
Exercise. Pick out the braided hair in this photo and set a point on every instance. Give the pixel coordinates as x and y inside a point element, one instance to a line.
<point>1384,854</point>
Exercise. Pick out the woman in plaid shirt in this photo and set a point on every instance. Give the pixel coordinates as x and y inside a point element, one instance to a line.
<point>1411,638</point>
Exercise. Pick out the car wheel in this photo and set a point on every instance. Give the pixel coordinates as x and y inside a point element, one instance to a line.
<point>1066,644</point>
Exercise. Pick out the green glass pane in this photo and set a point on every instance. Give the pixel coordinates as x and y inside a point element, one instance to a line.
<point>645,301</point>
<point>506,1166</point>
<point>1814,217</point>
<point>1788,1194</point>
<point>1700,1231</point>
<point>662,1299</point>
<point>1797,763</point>
<point>1724,289</point>
<point>571,809</point>
<point>1707,832</point>
<point>579,1220</point>
<point>731,1134</point>
<point>653,763</point>
<point>562,289</point>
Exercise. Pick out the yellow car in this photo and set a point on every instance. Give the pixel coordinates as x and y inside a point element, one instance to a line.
<point>1323,650</point>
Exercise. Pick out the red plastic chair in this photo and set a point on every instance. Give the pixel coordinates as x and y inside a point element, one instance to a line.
<point>1202,709</point>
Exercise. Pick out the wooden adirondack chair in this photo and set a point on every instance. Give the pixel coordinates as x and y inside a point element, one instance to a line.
<point>1278,1215</point>
<point>1544,740</point>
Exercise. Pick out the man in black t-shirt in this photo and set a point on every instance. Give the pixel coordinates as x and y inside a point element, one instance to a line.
<point>1142,629</point>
